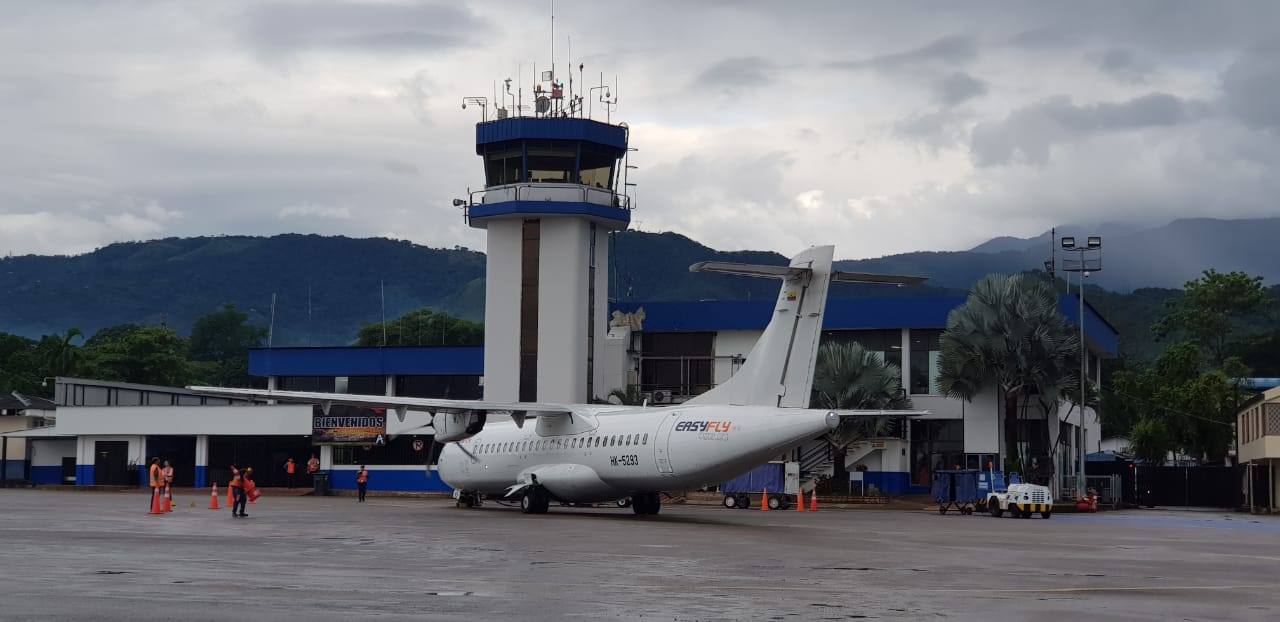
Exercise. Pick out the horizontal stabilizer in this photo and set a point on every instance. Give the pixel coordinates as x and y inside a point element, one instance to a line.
<point>885,279</point>
<point>747,269</point>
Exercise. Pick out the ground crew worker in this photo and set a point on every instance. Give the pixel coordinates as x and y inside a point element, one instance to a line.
<point>313,465</point>
<point>362,482</point>
<point>157,479</point>
<point>290,468</point>
<point>237,493</point>
<point>168,481</point>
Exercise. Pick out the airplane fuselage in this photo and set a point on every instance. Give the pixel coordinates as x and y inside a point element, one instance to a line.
<point>616,452</point>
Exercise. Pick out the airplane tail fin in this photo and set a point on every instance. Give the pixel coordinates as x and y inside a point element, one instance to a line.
<point>779,369</point>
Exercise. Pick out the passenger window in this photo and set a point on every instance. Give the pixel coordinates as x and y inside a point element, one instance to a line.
<point>628,440</point>
<point>645,441</point>
<point>613,440</point>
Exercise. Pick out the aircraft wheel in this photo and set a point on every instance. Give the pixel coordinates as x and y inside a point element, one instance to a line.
<point>730,501</point>
<point>654,502</point>
<point>526,502</point>
<point>624,502</point>
<point>542,501</point>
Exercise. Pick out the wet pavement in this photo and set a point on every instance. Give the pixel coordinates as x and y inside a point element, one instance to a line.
<point>98,555</point>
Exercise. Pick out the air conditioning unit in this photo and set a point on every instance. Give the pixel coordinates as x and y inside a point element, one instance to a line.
<point>661,397</point>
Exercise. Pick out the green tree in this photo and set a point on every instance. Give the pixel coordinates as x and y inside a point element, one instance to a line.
<point>142,354</point>
<point>1213,308</point>
<point>1010,335</point>
<point>1182,408</point>
<point>422,327</point>
<point>847,376</point>
<point>59,355</point>
<point>19,370</point>
<point>220,344</point>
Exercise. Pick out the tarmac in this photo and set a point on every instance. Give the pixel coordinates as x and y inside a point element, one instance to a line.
<point>100,556</point>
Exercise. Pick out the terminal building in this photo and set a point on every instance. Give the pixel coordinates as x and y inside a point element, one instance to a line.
<point>670,351</point>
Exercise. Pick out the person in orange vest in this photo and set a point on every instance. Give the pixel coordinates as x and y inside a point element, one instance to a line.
<point>290,468</point>
<point>362,482</point>
<point>157,479</point>
<point>237,492</point>
<point>168,481</point>
<point>313,465</point>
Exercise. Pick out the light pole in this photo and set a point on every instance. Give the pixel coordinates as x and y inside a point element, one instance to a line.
<point>1084,266</point>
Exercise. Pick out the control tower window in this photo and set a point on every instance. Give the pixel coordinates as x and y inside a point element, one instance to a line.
<point>503,167</point>
<point>597,167</point>
<point>551,164</point>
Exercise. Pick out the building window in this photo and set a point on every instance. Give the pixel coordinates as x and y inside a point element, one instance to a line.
<point>680,363</point>
<point>886,343</point>
<point>397,451</point>
<point>935,444</point>
<point>925,350</point>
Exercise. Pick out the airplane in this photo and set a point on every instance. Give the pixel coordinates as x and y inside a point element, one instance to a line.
<point>593,453</point>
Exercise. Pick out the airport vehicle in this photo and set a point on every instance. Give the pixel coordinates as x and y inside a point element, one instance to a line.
<point>780,480</point>
<point>1021,500</point>
<point>590,453</point>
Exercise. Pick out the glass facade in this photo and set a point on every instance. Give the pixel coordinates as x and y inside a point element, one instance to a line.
<point>924,361</point>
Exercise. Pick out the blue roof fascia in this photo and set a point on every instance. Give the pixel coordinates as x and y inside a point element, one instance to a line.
<point>615,216</point>
<point>362,361</point>
<point>550,128</point>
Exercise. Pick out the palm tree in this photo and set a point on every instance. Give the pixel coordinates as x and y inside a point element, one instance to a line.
<point>848,376</point>
<point>1010,334</point>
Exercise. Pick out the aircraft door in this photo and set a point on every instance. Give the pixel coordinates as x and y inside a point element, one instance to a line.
<point>661,453</point>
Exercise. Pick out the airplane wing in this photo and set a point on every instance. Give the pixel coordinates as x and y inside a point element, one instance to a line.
<point>518,410</point>
<point>881,413</point>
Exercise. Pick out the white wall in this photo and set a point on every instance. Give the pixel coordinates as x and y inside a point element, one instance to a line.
<point>17,446</point>
<point>502,310</point>
<point>601,387</point>
<point>274,420</point>
<point>50,452</point>
<point>563,266</point>
<point>730,343</point>
<point>615,365</point>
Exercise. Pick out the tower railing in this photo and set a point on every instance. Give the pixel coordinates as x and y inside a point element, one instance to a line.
<point>541,191</point>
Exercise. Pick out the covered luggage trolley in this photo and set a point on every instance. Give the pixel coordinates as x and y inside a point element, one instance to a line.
<point>955,489</point>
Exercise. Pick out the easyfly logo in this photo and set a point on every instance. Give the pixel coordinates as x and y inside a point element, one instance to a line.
<point>702,426</point>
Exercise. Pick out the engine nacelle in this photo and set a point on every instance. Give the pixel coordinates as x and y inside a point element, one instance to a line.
<point>451,427</point>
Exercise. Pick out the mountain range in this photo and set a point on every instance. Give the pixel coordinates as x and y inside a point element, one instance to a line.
<point>317,290</point>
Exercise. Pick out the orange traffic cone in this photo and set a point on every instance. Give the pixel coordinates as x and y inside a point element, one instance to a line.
<point>813,501</point>
<point>764,500</point>
<point>168,499</point>
<point>800,501</point>
<point>229,497</point>
<point>155,502</point>
<point>213,499</point>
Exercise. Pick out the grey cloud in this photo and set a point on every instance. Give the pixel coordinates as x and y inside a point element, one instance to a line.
<point>1043,39</point>
<point>937,130</point>
<point>1124,64</point>
<point>400,167</point>
<point>955,49</point>
<point>737,73</point>
<point>378,28</point>
<point>1028,133</point>
<point>1251,88</point>
<point>960,87</point>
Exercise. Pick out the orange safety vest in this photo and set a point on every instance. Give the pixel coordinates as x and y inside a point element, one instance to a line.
<point>313,465</point>
<point>362,477</point>
<point>157,477</point>
<point>236,482</point>
<point>289,467</point>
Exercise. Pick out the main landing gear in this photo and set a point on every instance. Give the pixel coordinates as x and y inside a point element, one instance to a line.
<point>535,500</point>
<point>468,500</point>
<point>646,503</point>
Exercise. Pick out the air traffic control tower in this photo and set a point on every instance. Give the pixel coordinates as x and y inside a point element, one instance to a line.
<point>554,189</point>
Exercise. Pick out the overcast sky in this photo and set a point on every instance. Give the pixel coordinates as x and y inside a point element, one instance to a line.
<point>881,127</point>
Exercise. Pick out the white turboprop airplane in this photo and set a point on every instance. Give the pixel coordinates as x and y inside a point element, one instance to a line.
<point>589,453</point>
